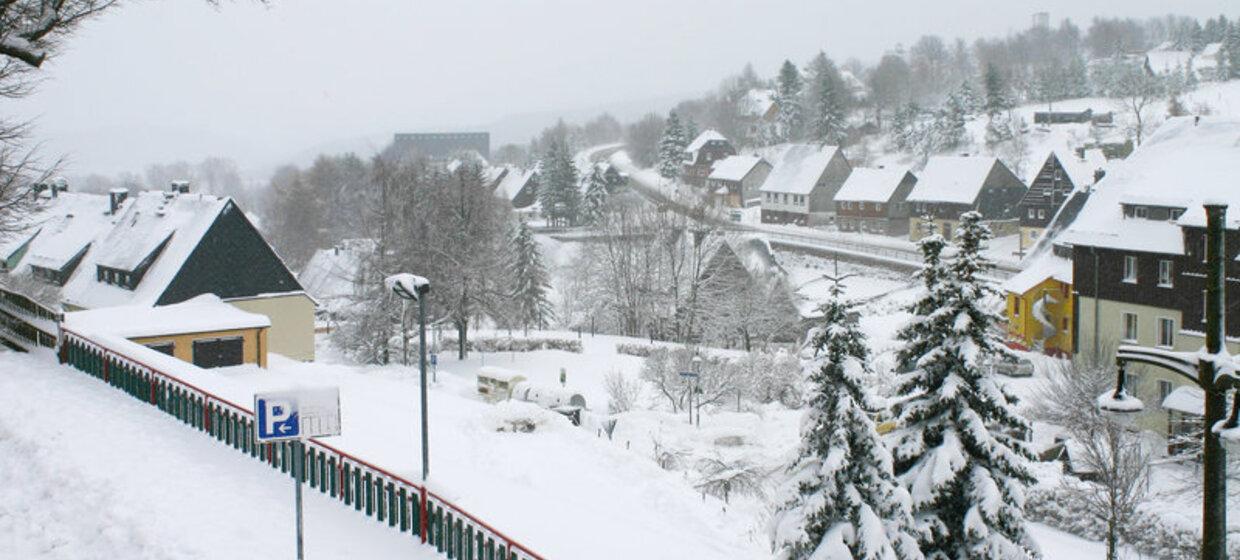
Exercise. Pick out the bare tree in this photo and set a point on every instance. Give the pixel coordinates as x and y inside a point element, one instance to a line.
<point>622,392</point>
<point>1111,452</point>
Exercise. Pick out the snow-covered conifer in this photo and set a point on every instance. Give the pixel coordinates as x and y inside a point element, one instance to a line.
<point>558,188</point>
<point>672,148</point>
<point>844,502</point>
<point>530,280</point>
<point>788,99</point>
<point>959,449</point>
<point>596,192</point>
<point>829,100</point>
<point>998,99</point>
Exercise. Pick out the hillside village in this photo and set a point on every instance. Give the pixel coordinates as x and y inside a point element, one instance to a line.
<point>775,321</point>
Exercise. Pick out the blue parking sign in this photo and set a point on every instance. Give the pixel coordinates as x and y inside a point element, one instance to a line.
<point>277,418</point>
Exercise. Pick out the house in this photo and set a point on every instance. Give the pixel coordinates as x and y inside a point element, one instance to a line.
<point>952,185</point>
<point>736,180</point>
<point>802,185</point>
<point>336,278</point>
<point>1039,305</point>
<point>1165,59</point>
<point>1137,249</point>
<point>873,200</point>
<point>759,113</point>
<point>1052,186</point>
<point>1211,63</point>
<point>88,251</point>
<point>746,292</point>
<point>1063,117</point>
<point>701,155</point>
<point>203,330</point>
<point>520,188</point>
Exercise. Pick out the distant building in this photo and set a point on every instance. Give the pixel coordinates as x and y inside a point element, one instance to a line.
<point>701,155</point>
<point>520,188</point>
<point>336,278</point>
<point>440,145</point>
<point>759,113</point>
<point>1059,177</point>
<point>952,185</point>
<point>801,187</point>
<point>735,180</point>
<point>874,201</point>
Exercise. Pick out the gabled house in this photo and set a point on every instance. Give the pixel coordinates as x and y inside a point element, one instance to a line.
<point>1061,175</point>
<point>520,188</point>
<point>735,180</point>
<point>746,293</point>
<point>1040,304</point>
<point>336,278</point>
<point>952,185</point>
<point>701,155</point>
<point>1137,249</point>
<point>873,200</point>
<point>150,249</point>
<point>802,185</point>
<point>759,113</point>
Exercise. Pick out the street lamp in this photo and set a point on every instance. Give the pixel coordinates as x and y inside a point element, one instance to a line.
<point>1202,369</point>
<point>410,287</point>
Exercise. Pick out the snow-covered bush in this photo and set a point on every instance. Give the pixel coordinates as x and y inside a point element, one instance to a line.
<point>630,349</point>
<point>622,392</point>
<point>511,344</point>
<point>722,478</point>
<point>772,377</point>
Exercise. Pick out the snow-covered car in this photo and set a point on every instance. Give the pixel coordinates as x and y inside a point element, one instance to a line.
<point>1021,367</point>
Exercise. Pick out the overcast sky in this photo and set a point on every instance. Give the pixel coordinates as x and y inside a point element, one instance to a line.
<point>162,80</point>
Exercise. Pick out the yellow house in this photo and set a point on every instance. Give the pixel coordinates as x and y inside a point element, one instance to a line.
<point>203,331</point>
<point>1039,306</point>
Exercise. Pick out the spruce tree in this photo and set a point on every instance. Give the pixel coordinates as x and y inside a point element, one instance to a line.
<point>530,280</point>
<point>788,99</point>
<point>997,99</point>
<point>959,449</point>
<point>672,148</point>
<point>829,100</point>
<point>1231,46</point>
<point>558,189</point>
<point>950,126</point>
<point>597,190</point>
<point>845,502</point>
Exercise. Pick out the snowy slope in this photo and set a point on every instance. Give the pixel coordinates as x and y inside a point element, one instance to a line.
<point>90,473</point>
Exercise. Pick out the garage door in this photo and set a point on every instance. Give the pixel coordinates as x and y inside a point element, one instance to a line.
<point>218,352</point>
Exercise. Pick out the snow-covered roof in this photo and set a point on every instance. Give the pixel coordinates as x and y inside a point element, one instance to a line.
<point>734,168</point>
<point>512,183</point>
<point>758,102</point>
<point>871,184</point>
<point>799,169</point>
<point>954,179</point>
<point>701,140</point>
<point>1186,399</point>
<point>1166,61</point>
<point>330,275</point>
<point>146,219</point>
<point>1183,164</point>
<point>64,226</point>
<point>1037,269</point>
<point>205,313</point>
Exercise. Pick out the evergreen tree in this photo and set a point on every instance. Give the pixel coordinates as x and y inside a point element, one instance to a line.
<point>557,188</point>
<point>1231,46</point>
<point>530,280</point>
<point>958,450</point>
<point>906,127</point>
<point>829,99</point>
<point>997,98</point>
<point>1077,79</point>
<point>691,129</point>
<point>845,502</point>
<point>788,99</point>
<point>949,126</point>
<point>968,97</point>
<point>597,190</point>
<point>672,148</point>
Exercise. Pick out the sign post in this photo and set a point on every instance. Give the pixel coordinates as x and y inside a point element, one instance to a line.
<point>294,416</point>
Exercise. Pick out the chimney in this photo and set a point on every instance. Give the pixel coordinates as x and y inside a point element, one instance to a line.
<point>115,198</point>
<point>1099,174</point>
<point>181,187</point>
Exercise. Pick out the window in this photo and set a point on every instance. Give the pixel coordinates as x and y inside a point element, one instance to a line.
<point>1130,269</point>
<point>1058,175</point>
<point>1166,332</point>
<point>862,205</point>
<point>1041,213</point>
<point>1130,327</point>
<point>1141,212</point>
<point>1016,306</point>
<point>1032,213</point>
<point>1164,273</point>
<point>878,206</point>
<point>1164,390</point>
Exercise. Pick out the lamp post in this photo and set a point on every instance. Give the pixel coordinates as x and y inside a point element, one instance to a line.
<point>410,287</point>
<point>1199,368</point>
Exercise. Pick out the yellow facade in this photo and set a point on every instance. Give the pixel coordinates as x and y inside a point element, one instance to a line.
<point>1029,237</point>
<point>292,322</point>
<point>254,343</point>
<point>1054,298</point>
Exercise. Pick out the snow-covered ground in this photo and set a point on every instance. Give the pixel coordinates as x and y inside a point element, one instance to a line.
<point>90,473</point>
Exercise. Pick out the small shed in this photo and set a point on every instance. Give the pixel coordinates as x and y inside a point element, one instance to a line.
<point>497,384</point>
<point>203,331</point>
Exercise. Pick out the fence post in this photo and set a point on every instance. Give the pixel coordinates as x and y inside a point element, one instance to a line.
<point>422,515</point>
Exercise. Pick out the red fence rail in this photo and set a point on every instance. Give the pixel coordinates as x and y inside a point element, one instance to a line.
<point>369,489</point>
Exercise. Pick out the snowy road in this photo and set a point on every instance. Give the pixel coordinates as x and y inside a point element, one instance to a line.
<point>90,473</point>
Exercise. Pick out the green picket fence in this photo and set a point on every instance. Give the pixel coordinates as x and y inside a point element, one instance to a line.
<point>368,489</point>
